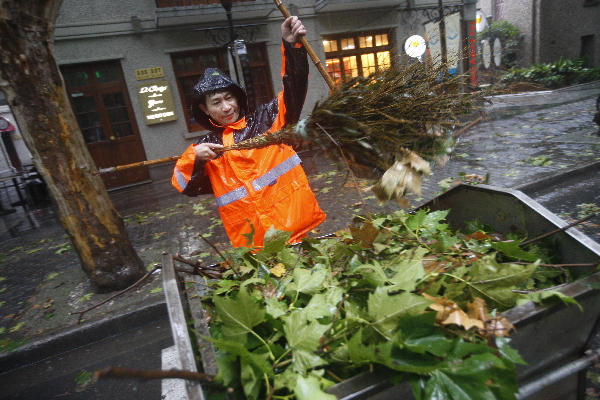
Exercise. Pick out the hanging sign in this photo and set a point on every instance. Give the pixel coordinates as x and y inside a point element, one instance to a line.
<point>415,46</point>
<point>157,102</point>
<point>486,53</point>
<point>452,24</point>
<point>497,52</point>
<point>480,21</point>
<point>432,34</point>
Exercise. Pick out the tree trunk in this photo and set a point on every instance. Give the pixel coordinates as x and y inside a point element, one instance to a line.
<point>34,88</point>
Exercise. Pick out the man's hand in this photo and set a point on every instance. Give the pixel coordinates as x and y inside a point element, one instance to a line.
<point>205,151</point>
<point>292,29</point>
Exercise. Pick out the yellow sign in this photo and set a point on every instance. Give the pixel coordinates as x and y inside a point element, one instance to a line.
<point>149,73</point>
<point>157,102</point>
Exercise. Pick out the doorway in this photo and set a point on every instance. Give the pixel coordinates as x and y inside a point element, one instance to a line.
<point>102,106</point>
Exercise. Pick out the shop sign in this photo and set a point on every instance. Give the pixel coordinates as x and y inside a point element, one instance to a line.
<point>157,102</point>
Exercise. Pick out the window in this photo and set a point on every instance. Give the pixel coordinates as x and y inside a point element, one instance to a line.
<point>186,3</point>
<point>349,56</point>
<point>189,67</point>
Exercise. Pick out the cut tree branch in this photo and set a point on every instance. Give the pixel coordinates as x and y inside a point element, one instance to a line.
<point>564,228</point>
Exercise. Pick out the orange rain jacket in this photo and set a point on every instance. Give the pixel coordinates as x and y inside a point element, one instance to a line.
<point>259,188</point>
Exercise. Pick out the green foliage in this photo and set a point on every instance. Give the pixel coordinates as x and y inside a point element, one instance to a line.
<point>561,73</point>
<point>290,318</point>
<point>509,36</point>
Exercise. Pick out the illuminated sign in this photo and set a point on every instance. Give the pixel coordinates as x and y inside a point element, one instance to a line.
<point>415,46</point>
<point>157,102</point>
<point>480,21</point>
<point>149,73</point>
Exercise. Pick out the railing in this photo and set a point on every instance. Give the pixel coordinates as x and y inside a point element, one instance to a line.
<point>187,3</point>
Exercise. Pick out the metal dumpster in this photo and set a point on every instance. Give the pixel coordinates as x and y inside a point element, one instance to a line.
<point>551,339</point>
<point>547,337</point>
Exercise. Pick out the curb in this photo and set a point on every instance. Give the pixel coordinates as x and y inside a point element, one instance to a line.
<point>78,336</point>
<point>556,178</point>
<point>503,106</point>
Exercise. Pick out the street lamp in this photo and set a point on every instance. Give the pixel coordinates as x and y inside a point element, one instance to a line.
<point>227,4</point>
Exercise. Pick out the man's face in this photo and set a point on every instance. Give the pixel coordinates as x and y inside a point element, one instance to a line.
<point>222,107</point>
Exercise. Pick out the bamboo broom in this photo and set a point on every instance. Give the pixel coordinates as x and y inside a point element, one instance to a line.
<point>397,122</point>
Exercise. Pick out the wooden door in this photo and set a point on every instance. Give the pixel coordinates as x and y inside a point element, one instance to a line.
<point>101,104</point>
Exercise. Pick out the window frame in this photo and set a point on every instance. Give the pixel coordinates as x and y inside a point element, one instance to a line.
<point>358,52</point>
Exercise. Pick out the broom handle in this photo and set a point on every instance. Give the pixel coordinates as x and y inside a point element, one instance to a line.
<point>133,165</point>
<point>309,49</point>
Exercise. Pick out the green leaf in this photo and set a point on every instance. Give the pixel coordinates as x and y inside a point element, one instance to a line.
<point>389,354</point>
<point>309,388</point>
<point>372,274</point>
<point>238,315</point>
<point>409,270</point>
<point>252,367</point>
<point>492,281</point>
<point>306,281</point>
<point>385,310</point>
<point>513,250</point>
<point>303,338</point>
<point>545,295</point>
<point>275,308</point>
<point>507,352</point>
<point>478,377</point>
<point>445,242</point>
<point>418,334</point>
<point>324,304</point>
<point>235,348</point>
<point>250,235</point>
<point>274,241</point>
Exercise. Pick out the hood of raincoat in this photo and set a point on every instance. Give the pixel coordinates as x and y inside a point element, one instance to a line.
<point>214,79</point>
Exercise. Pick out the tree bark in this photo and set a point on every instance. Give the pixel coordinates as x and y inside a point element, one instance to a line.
<point>34,89</point>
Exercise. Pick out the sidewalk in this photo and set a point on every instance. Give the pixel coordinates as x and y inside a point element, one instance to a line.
<point>525,138</point>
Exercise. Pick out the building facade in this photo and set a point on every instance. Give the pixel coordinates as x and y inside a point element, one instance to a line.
<point>551,29</point>
<point>130,65</point>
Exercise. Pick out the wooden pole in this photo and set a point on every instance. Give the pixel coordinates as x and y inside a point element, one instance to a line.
<point>133,165</point>
<point>313,56</point>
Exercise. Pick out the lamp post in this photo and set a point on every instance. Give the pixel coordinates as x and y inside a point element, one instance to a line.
<point>227,4</point>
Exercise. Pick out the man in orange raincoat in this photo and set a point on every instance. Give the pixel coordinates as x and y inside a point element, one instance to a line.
<point>255,189</point>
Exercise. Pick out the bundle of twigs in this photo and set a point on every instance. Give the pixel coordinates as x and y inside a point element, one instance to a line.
<point>397,122</point>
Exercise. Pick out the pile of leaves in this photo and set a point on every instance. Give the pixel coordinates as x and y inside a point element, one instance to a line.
<point>399,292</point>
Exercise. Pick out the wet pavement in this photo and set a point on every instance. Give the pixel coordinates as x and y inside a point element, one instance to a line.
<point>529,142</point>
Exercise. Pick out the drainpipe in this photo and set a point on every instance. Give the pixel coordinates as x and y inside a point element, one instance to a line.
<point>533,30</point>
